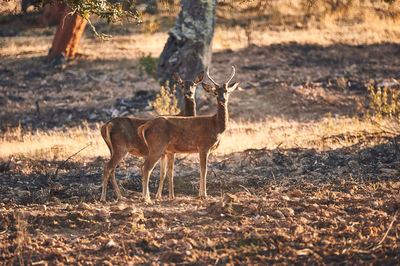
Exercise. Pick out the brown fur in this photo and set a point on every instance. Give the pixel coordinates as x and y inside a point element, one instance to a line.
<point>121,137</point>
<point>200,134</point>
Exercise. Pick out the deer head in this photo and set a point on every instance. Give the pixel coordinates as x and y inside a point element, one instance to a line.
<point>188,86</point>
<point>221,92</point>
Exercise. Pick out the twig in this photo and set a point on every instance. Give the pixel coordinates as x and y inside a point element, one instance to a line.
<point>385,129</point>
<point>247,190</point>
<point>99,35</point>
<point>390,227</point>
<point>221,185</point>
<point>64,162</point>
<point>183,158</point>
<point>386,234</point>
<point>37,108</point>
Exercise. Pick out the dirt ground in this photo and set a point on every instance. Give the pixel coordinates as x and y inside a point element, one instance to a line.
<point>280,206</point>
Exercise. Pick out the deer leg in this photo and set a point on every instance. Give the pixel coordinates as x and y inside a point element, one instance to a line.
<point>147,168</point>
<point>203,174</point>
<point>106,175</point>
<point>171,161</point>
<point>109,170</point>
<point>163,171</point>
<point>115,185</point>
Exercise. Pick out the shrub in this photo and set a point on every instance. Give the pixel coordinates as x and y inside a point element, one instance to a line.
<point>384,102</point>
<point>166,102</point>
<point>148,64</point>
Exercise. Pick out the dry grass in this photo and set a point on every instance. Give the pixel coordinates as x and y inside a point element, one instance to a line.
<point>277,132</point>
<point>280,133</point>
<point>374,30</point>
<point>24,47</point>
<point>285,21</point>
<point>364,22</point>
<point>52,145</point>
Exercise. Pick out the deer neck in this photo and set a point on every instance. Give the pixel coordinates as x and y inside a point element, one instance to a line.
<point>190,107</point>
<point>222,116</point>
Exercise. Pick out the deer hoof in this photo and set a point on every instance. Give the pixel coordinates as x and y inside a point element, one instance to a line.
<point>121,198</point>
<point>147,200</point>
<point>202,197</point>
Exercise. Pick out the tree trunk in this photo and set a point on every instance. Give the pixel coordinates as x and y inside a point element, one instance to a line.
<point>68,35</point>
<point>188,49</point>
<point>52,14</point>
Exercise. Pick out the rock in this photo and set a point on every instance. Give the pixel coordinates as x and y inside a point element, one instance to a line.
<point>128,211</point>
<point>314,207</point>
<point>288,212</point>
<point>374,204</point>
<point>111,244</point>
<point>353,164</point>
<point>202,212</point>
<point>341,170</point>
<point>172,242</point>
<point>298,229</point>
<point>285,198</point>
<point>325,242</point>
<point>117,208</point>
<point>7,166</point>
<point>365,155</point>
<point>304,220</point>
<point>317,175</point>
<point>93,116</point>
<point>389,172</point>
<point>83,206</point>
<point>277,214</point>
<point>102,213</point>
<point>230,198</point>
<point>22,194</point>
<point>57,187</point>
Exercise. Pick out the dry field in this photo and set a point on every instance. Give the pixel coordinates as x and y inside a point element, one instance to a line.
<point>303,175</point>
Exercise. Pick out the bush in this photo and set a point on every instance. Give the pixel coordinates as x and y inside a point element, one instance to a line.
<point>148,65</point>
<point>384,102</point>
<point>166,102</point>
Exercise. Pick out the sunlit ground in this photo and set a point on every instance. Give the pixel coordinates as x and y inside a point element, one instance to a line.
<point>275,133</point>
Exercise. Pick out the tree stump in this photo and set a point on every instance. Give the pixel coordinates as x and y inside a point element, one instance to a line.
<point>68,35</point>
<point>188,49</point>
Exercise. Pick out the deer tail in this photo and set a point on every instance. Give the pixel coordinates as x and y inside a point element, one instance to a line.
<point>105,133</point>
<point>142,132</point>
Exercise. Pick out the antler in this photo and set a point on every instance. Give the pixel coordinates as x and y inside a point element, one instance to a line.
<point>232,75</point>
<point>208,76</point>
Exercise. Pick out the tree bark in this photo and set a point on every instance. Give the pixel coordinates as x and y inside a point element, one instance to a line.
<point>68,35</point>
<point>52,14</point>
<point>188,49</point>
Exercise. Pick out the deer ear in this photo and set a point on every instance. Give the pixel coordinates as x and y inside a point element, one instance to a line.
<point>177,79</point>
<point>233,87</point>
<point>199,77</point>
<point>208,88</point>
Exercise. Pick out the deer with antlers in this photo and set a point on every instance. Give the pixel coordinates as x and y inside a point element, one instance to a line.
<point>200,134</point>
<point>121,137</point>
